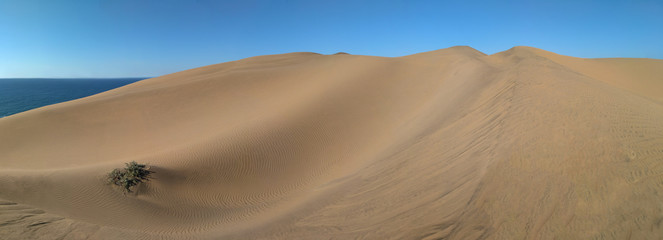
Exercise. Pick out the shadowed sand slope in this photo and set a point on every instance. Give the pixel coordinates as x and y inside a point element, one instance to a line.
<point>448,144</point>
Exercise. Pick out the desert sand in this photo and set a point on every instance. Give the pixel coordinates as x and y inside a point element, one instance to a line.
<point>448,144</point>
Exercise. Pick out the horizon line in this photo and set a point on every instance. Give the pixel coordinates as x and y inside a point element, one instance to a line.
<point>75,77</point>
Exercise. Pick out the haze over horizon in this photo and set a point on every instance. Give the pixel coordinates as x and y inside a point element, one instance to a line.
<point>149,38</point>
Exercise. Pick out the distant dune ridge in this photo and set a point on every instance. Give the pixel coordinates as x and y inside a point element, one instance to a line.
<point>448,144</point>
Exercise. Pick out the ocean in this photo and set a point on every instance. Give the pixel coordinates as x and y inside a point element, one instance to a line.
<point>22,94</point>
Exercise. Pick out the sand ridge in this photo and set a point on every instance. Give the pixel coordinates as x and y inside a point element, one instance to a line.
<point>451,144</point>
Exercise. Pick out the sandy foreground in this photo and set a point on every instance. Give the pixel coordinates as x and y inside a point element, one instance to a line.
<point>448,144</point>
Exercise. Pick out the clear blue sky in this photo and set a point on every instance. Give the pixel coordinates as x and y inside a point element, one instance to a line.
<point>127,38</point>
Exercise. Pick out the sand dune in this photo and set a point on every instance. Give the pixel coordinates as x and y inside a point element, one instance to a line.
<point>448,144</point>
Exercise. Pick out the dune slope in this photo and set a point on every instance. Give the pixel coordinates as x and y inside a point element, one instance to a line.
<point>448,144</point>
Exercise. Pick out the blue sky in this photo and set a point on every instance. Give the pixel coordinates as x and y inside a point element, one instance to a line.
<point>132,38</point>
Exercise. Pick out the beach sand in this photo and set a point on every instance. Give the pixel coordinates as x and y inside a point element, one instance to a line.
<point>448,144</point>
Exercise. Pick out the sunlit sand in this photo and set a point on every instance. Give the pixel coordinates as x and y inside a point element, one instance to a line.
<point>448,144</point>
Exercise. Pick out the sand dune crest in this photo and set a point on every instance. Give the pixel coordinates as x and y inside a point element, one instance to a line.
<point>447,144</point>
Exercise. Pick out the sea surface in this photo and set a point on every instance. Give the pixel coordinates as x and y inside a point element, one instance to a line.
<point>22,94</point>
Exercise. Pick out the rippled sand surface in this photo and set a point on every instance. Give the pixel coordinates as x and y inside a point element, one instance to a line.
<point>448,144</point>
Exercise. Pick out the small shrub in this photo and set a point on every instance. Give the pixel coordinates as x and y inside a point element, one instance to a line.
<point>132,175</point>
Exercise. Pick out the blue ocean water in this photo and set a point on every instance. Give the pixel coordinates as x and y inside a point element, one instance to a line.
<point>22,94</point>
